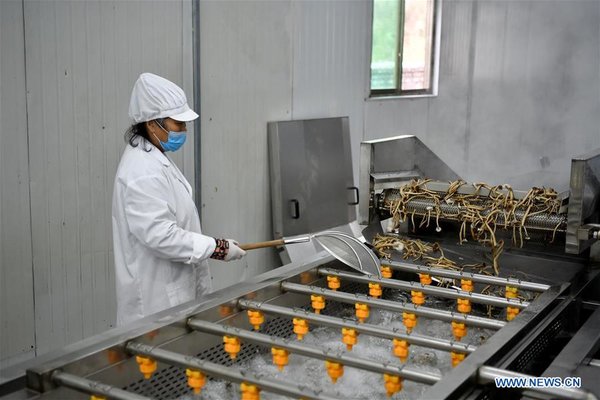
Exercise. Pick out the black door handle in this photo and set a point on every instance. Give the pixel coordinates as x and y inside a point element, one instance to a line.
<point>356,191</point>
<point>294,209</point>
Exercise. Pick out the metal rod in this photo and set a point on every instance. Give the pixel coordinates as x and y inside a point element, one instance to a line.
<point>395,306</point>
<point>486,375</point>
<point>428,289</point>
<point>590,303</point>
<point>373,330</point>
<point>446,273</point>
<point>594,362</point>
<point>286,388</point>
<point>314,352</point>
<point>93,387</point>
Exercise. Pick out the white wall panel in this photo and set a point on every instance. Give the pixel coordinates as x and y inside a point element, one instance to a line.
<point>541,100</point>
<point>82,61</point>
<point>329,52</point>
<point>246,82</point>
<point>442,121</point>
<point>17,339</point>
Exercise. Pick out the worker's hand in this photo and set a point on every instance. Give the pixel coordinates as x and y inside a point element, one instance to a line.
<point>227,250</point>
<point>234,253</point>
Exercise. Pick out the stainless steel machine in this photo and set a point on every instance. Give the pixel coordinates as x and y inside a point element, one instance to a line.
<point>388,164</point>
<point>554,333</point>
<point>314,329</point>
<point>550,348</point>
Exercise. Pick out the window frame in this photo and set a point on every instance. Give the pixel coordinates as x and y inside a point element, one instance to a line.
<point>379,94</point>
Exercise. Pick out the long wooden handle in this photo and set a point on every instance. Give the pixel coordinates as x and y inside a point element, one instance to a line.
<point>262,245</point>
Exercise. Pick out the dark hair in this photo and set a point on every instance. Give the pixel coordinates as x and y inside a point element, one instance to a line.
<point>136,133</point>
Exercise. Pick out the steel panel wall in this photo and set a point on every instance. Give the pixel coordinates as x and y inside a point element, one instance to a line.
<point>275,61</point>
<point>330,50</point>
<point>539,93</point>
<point>440,122</point>
<point>82,61</point>
<point>246,80</point>
<point>519,91</point>
<point>17,339</point>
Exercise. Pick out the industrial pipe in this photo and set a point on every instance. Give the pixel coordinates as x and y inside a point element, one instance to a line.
<point>432,313</point>
<point>373,330</point>
<point>314,352</point>
<point>428,289</point>
<point>447,273</point>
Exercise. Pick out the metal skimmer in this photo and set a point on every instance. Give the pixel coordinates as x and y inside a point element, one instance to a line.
<point>342,246</point>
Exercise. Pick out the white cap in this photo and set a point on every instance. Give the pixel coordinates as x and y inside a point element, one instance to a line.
<point>155,97</point>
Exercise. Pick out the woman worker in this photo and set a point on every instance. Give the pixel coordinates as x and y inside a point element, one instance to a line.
<point>160,252</point>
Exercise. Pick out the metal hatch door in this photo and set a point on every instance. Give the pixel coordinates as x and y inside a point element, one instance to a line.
<point>311,175</point>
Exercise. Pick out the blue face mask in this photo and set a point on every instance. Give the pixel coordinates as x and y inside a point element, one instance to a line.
<point>175,140</point>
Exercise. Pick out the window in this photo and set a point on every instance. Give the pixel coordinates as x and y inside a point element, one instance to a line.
<point>404,49</point>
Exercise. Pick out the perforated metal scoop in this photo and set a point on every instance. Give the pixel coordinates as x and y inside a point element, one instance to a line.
<point>350,251</point>
<point>342,246</point>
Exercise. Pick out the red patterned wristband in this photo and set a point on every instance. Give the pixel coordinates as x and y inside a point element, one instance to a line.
<point>221,249</point>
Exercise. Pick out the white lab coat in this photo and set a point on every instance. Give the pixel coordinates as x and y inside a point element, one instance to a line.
<point>160,253</point>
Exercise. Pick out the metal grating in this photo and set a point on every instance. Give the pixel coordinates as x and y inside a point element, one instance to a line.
<point>540,345</point>
<point>170,382</point>
<point>167,383</point>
